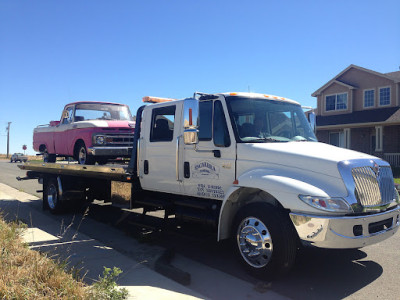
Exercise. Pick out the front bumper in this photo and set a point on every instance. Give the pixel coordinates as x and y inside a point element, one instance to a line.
<point>110,151</point>
<point>345,232</point>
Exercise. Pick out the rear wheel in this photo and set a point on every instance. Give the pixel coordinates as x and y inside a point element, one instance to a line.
<point>265,240</point>
<point>47,157</point>
<point>51,197</point>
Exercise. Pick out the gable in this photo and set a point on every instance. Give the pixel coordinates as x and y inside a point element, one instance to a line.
<point>363,79</point>
<point>356,77</point>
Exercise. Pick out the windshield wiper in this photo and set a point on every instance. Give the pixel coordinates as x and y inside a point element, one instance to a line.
<point>264,139</point>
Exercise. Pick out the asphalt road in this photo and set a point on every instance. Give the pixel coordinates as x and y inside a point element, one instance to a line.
<point>369,273</point>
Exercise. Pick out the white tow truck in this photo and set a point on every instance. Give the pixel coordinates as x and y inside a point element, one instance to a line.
<point>250,165</point>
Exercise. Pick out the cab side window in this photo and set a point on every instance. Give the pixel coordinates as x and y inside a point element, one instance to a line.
<point>205,120</point>
<point>220,128</point>
<point>68,115</point>
<point>162,124</point>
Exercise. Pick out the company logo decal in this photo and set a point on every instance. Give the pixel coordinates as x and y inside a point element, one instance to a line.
<point>205,169</point>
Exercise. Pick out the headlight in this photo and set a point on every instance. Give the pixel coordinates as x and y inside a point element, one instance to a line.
<point>100,140</point>
<point>327,204</point>
<point>396,196</point>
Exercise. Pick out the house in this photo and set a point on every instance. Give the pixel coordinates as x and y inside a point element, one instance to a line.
<point>359,109</point>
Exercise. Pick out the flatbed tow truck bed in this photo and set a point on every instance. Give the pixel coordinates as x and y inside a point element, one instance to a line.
<point>110,172</point>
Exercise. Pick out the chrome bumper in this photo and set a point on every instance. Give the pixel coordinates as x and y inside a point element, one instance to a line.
<point>110,151</point>
<point>345,232</point>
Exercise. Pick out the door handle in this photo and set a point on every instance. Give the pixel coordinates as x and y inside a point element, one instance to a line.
<point>186,169</point>
<point>217,153</point>
<point>177,158</point>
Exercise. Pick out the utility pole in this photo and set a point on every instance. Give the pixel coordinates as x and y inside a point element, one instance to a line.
<point>8,139</point>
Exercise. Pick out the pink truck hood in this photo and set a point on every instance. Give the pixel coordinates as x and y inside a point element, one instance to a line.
<point>103,124</point>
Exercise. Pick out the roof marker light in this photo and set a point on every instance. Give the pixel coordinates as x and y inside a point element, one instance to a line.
<point>233,94</point>
<point>149,99</point>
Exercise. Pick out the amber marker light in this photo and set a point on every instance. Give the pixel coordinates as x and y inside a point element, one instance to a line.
<point>149,99</point>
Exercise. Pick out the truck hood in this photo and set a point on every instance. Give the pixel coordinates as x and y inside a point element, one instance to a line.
<point>312,156</point>
<point>103,123</point>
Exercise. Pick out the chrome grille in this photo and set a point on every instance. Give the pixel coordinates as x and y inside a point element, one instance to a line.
<point>120,139</point>
<point>372,189</point>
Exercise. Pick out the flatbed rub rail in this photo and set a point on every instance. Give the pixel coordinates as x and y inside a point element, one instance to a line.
<point>115,173</point>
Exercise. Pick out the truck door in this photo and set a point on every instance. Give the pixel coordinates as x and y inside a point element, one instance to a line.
<point>209,168</point>
<point>158,148</point>
<point>61,138</point>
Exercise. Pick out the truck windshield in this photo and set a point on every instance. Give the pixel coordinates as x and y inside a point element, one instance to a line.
<point>257,120</point>
<point>98,111</point>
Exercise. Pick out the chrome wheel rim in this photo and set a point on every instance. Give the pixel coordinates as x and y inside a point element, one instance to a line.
<point>82,155</point>
<point>254,242</point>
<point>52,196</point>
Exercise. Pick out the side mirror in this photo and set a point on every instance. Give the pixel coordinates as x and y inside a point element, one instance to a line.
<point>313,121</point>
<point>191,136</point>
<point>191,121</point>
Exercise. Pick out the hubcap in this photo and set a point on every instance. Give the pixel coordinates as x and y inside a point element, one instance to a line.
<point>254,242</point>
<point>82,156</point>
<point>52,196</point>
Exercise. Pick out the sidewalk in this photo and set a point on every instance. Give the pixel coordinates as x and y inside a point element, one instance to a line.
<point>47,234</point>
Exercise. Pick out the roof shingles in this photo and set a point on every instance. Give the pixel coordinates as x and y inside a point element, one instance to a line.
<point>381,115</point>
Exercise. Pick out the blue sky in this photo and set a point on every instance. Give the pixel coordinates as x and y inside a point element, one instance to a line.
<point>56,52</point>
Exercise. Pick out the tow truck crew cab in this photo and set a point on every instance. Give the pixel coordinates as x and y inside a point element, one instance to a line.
<point>250,164</point>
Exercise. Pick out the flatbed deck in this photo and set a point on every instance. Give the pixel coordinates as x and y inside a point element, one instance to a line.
<point>111,172</point>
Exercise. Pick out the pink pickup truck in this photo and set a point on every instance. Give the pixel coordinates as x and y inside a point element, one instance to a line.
<point>90,132</point>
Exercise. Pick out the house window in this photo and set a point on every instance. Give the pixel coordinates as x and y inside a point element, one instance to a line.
<point>336,102</point>
<point>337,139</point>
<point>369,98</point>
<point>384,96</point>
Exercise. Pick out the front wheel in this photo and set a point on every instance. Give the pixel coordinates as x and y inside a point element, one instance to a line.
<point>83,157</point>
<point>265,240</point>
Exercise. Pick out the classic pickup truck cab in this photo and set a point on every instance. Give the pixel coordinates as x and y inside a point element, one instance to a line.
<point>88,132</point>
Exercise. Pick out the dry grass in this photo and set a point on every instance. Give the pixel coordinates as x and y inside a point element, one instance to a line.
<point>27,274</point>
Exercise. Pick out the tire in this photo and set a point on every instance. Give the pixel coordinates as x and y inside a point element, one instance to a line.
<point>51,197</point>
<point>83,157</point>
<point>266,242</point>
<point>47,157</point>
